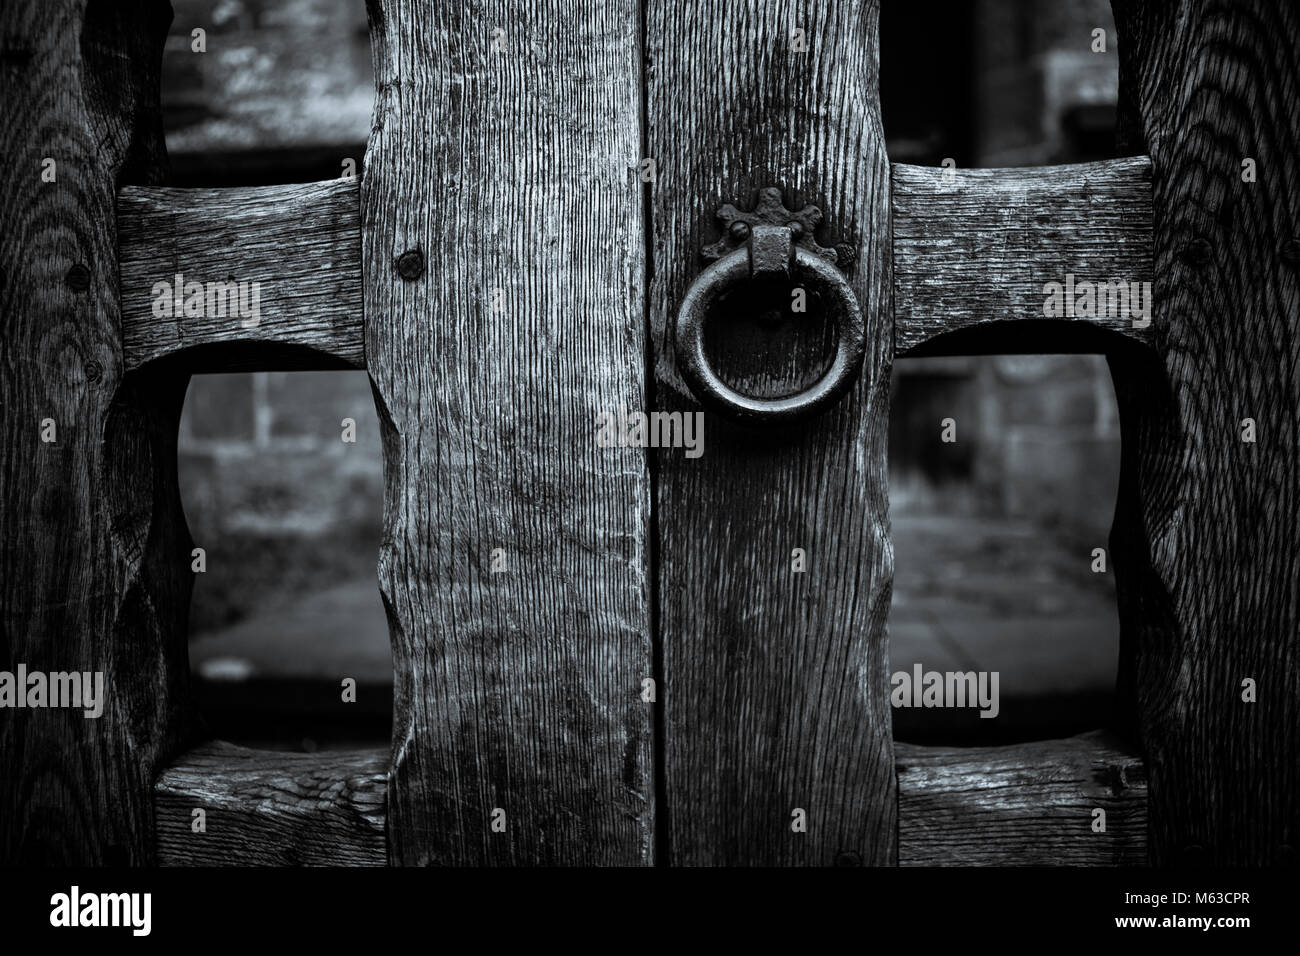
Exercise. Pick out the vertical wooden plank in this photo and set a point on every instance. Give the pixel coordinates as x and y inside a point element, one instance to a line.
<point>503,274</point>
<point>94,563</point>
<point>775,691</point>
<point>1207,527</point>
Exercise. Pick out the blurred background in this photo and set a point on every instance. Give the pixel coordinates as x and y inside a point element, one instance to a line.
<point>993,534</point>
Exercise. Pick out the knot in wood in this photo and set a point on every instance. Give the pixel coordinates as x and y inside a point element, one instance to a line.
<point>1197,253</point>
<point>1290,252</point>
<point>78,278</point>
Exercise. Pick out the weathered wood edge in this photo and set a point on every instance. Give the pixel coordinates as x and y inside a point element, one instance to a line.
<point>300,244</point>
<point>1207,517</point>
<point>264,808</point>
<point>976,247</point>
<point>1028,804</point>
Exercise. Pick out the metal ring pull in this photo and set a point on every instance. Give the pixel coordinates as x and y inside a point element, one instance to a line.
<point>770,251</point>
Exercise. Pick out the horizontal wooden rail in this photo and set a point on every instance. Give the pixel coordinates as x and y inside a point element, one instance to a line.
<point>1022,805</point>
<point>264,808</point>
<point>977,246</point>
<point>970,247</point>
<point>276,273</point>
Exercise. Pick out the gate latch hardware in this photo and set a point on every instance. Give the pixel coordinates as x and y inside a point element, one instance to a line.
<point>771,242</point>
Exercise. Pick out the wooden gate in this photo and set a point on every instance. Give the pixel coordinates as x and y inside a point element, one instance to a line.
<point>648,683</point>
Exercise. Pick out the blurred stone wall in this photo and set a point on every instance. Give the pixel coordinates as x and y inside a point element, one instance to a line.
<point>263,452</point>
<point>1042,95</point>
<point>281,504</point>
<point>290,78</point>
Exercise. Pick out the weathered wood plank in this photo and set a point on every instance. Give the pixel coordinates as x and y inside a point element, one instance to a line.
<point>1023,805</point>
<point>975,247</point>
<point>504,299</point>
<point>1206,527</point>
<point>272,809</point>
<point>94,565</point>
<point>774,686</point>
<point>294,253</point>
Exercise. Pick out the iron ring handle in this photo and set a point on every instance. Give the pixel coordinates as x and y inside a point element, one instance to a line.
<point>728,272</point>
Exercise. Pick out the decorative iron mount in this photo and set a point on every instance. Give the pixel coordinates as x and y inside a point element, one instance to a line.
<point>738,225</point>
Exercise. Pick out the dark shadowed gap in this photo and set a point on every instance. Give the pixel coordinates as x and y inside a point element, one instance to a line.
<point>994,537</point>
<point>927,102</point>
<point>289,515</point>
<point>662,844</point>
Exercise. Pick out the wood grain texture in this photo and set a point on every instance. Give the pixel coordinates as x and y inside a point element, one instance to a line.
<point>977,246</point>
<point>1206,528</point>
<point>510,170</point>
<point>1022,805</point>
<point>774,686</point>
<point>94,565</point>
<point>300,243</point>
<point>263,808</point>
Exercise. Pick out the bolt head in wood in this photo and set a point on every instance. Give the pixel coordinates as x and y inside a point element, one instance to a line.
<point>410,264</point>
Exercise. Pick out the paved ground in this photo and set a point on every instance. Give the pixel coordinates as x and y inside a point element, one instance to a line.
<point>985,594</point>
<point>328,635</point>
<point>970,594</point>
